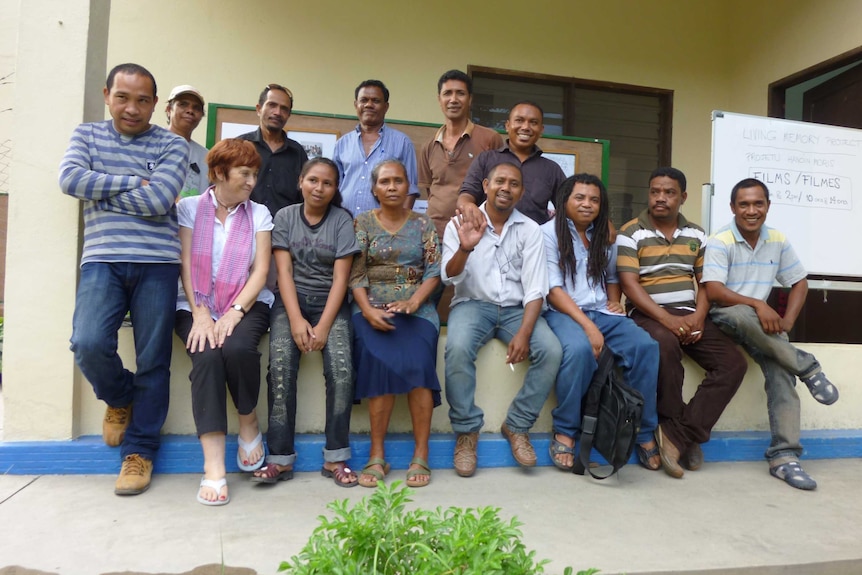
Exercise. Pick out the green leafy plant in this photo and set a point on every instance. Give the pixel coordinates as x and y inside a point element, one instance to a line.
<point>378,536</point>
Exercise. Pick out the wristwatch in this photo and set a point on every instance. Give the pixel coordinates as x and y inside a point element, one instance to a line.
<point>238,308</point>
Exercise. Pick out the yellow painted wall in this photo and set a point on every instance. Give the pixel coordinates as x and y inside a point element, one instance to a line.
<point>714,54</point>
<point>770,40</point>
<point>322,50</point>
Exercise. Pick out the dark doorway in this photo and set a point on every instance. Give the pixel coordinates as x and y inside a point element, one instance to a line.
<point>828,93</point>
<point>837,101</point>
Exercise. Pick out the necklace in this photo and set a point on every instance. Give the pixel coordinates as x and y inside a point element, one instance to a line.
<point>223,205</point>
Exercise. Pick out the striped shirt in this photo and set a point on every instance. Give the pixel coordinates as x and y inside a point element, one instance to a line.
<point>751,272</point>
<point>125,221</point>
<point>666,270</point>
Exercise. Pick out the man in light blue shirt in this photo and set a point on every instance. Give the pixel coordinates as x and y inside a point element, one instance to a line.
<point>585,313</point>
<point>742,262</point>
<point>497,268</point>
<point>371,142</point>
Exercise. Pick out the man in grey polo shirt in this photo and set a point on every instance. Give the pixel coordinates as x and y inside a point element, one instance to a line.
<point>742,261</point>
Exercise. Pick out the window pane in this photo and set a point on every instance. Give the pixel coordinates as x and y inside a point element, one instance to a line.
<point>493,98</point>
<point>632,124</point>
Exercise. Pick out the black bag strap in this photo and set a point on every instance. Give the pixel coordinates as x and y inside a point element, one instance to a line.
<point>591,413</point>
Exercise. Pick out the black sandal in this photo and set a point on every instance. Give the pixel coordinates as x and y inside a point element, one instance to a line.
<point>559,448</point>
<point>644,456</point>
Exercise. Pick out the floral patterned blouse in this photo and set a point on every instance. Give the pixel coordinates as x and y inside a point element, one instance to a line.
<point>393,266</point>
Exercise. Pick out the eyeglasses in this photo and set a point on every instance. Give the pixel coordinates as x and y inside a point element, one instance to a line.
<point>281,88</point>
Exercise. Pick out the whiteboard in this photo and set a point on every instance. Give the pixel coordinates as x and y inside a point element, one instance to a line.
<point>814,176</point>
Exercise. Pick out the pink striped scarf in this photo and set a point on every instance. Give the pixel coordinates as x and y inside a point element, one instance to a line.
<point>236,258</point>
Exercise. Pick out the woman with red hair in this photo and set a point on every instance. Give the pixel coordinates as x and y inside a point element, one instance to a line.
<point>223,308</point>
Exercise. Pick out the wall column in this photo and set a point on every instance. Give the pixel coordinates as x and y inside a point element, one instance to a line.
<point>59,74</point>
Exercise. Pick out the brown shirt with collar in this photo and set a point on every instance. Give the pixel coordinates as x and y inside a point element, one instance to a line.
<point>441,172</point>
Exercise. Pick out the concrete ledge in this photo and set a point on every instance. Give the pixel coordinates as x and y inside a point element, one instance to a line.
<point>182,453</point>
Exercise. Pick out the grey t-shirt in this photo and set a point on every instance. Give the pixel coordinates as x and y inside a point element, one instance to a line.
<point>314,249</point>
<point>197,179</point>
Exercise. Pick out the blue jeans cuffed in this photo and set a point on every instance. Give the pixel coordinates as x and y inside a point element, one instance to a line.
<point>282,378</point>
<point>781,362</point>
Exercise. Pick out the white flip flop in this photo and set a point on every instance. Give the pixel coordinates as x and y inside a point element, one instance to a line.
<point>216,485</point>
<point>248,447</point>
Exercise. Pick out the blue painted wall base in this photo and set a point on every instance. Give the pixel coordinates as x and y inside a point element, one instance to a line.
<point>182,453</point>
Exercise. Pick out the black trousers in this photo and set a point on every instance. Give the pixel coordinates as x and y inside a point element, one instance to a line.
<point>236,363</point>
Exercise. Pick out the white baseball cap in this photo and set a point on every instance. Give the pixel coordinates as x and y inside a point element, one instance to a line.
<point>186,89</point>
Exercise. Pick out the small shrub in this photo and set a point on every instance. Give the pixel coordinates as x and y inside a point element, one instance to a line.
<point>378,536</point>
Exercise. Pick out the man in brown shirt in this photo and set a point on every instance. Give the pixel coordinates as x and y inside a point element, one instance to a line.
<point>444,161</point>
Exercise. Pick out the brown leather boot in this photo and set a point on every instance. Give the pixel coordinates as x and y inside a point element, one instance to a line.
<point>669,454</point>
<point>135,475</point>
<point>115,423</point>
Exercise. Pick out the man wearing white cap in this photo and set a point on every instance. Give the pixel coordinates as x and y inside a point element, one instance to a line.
<point>185,111</point>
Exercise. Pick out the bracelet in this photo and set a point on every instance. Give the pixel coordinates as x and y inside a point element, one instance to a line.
<point>465,251</point>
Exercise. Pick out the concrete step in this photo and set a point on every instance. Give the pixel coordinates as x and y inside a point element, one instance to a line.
<point>182,453</point>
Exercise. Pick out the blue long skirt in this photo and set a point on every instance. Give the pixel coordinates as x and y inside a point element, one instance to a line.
<point>397,361</point>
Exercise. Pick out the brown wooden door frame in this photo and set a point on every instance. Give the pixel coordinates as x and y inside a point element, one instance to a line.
<point>777,89</point>
<point>837,101</point>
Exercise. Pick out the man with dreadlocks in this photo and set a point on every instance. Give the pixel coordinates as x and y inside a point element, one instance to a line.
<point>585,313</point>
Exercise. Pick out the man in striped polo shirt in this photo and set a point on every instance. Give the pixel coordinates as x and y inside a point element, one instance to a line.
<point>659,262</point>
<point>127,174</point>
<point>743,260</point>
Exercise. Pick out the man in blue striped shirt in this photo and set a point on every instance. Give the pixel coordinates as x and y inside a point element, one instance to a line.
<point>127,174</point>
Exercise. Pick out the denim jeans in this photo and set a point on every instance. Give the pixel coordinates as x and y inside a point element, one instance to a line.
<point>781,362</point>
<point>635,351</point>
<point>105,293</point>
<point>471,325</point>
<point>338,372</point>
<point>236,363</point>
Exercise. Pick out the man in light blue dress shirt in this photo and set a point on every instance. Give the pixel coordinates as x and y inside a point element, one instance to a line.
<point>371,142</point>
<point>586,315</point>
<point>497,266</point>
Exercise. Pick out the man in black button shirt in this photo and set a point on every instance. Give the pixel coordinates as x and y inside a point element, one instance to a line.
<point>278,180</point>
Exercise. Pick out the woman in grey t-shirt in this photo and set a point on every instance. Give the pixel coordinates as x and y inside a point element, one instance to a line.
<point>313,246</point>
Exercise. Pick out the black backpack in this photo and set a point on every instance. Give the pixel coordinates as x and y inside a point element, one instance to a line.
<point>611,418</point>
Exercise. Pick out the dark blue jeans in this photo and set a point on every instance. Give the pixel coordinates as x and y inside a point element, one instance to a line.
<point>105,293</point>
<point>338,373</point>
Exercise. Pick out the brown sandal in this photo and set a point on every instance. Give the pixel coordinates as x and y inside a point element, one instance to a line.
<point>339,474</point>
<point>270,474</point>
<point>369,471</point>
